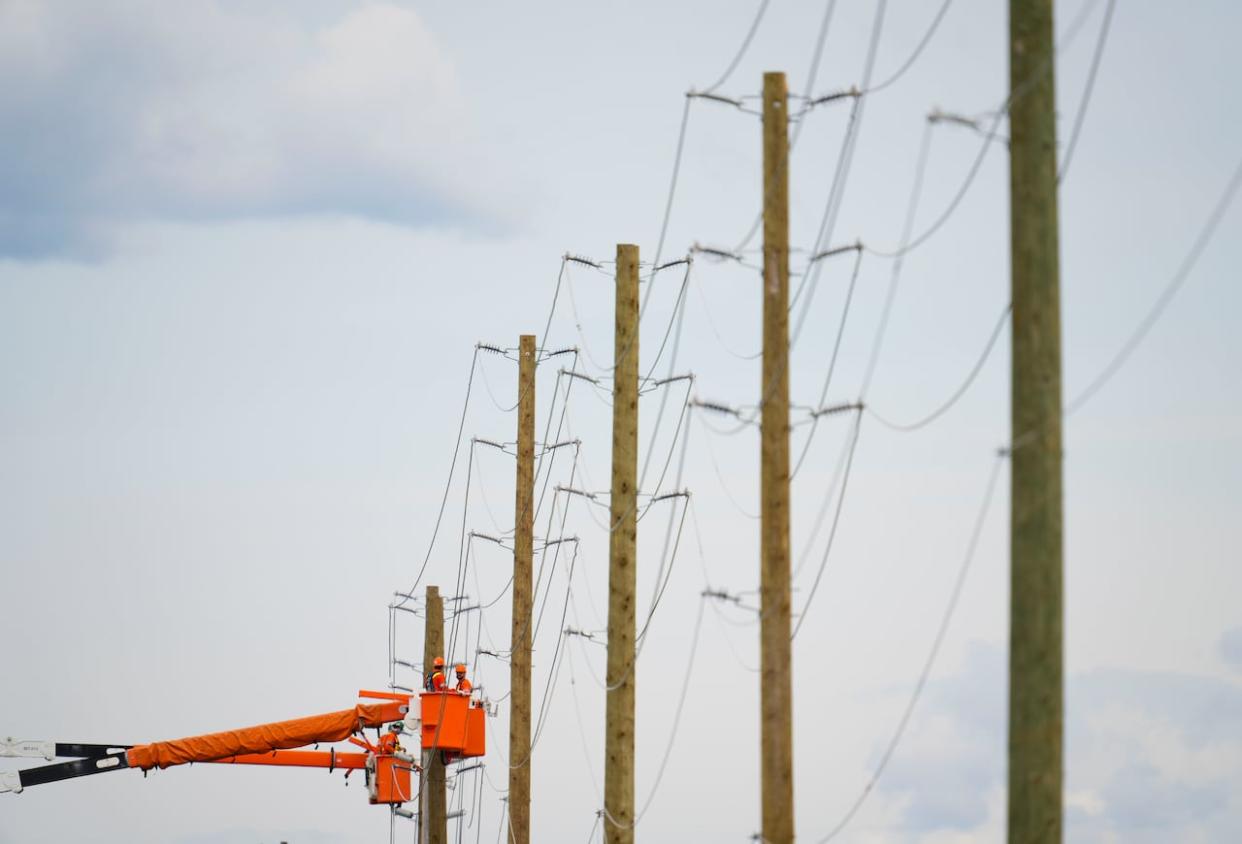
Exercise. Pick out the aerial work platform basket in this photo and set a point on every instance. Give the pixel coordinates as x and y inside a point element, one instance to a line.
<point>453,724</point>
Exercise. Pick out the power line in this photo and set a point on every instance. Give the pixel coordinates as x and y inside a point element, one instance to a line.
<point>988,136</point>
<point>920,169</point>
<point>832,361</point>
<point>741,51</point>
<point>1087,89</point>
<point>845,159</point>
<point>1197,248</point>
<point>944,406</point>
<point>461,426</point>
<point>832,532</point>
<point>918,50</point>
<point>947,617</point>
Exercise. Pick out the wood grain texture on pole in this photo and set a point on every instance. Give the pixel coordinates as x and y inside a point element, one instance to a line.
<point>433,806</point>
<point>776,681</point>
<point>622,559</point>
<point>1036,697</point>
<point>523,562</point>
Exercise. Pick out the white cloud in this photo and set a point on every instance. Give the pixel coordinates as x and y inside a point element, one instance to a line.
<point>1150,756</point>
<point>143,110</point>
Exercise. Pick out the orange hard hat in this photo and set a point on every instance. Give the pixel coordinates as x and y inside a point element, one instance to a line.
<point>438,662</point>
<point>461,668</point>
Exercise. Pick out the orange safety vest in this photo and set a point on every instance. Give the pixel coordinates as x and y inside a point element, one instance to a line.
<point>464,686</point>
<point>435,683</point>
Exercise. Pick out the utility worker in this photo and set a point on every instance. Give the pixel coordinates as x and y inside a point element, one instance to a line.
<point>390,742</point>
<point>463,686</point>
<point>436,680</point>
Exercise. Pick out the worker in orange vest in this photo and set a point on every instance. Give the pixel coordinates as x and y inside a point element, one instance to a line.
<point>390,742</point>
<point>436,680</point>
<point>463,686</point>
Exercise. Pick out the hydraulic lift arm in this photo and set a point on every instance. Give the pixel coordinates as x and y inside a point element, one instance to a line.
<point>447,723</point>
<point>265,744</point>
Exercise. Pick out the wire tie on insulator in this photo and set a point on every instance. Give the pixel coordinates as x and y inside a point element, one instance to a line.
<point>856,246</point>
<point>670,264</point>
<point>573,491</point>
<point>716,253</point>
<point>716,408</point>
<point>574,374</point>
<point>704,95</point>
<point>689,376</point>
<point>938,116</point>
<point>836,408</point>
<point>852,91</point>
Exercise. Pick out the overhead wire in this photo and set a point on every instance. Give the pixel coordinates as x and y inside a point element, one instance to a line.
<point>676,724</point>
<point>1087,89</point>
<point>829,491</point>
<point>988,137</point>
<point>832,361</point>
<point>914,56</point>
<point>812,75</point>
<point>832,532</point>
<point>953,398</point>
<point>954,598</point>
<point>920,170</point>
<point>741,51</point>
<point>461,426</point>
<point>1197,248</point>
<point>840,177</point>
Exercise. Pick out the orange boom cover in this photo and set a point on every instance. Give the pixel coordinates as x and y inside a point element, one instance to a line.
<point>282,735</point>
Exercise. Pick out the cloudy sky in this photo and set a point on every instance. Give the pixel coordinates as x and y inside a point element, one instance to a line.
<point>247,250</point>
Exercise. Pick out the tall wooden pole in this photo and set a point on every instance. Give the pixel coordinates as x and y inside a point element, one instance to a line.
<point>523,558</point>
<point>1035,636</point>
<point>622,559</point>
<point>776,683</point>
<point>432,804</point>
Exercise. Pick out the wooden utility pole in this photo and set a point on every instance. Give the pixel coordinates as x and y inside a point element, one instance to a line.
<point>776,681</point>
<point>433,827</point>
<point>622,558</point>
<point>1035,634</point>
<point>523,559</point>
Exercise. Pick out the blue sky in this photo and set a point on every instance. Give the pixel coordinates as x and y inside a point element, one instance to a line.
<point>246,252</point>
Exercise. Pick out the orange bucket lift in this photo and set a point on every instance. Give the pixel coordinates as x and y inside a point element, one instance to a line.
<point>451,724</point>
